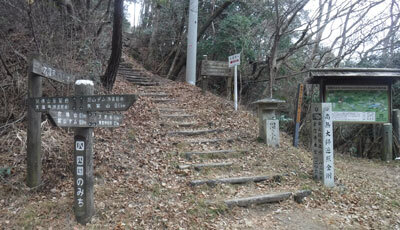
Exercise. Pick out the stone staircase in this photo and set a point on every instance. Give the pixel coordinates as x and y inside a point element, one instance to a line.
<point>208,159</point>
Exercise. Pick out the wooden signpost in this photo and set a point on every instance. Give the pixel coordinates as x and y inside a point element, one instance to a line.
<point>300,92</point>
<point>37,70</point>
<point>83,111</point>
<point>216,69</point>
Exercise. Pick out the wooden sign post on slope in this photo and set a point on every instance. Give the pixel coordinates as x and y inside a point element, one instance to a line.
<point>37,70</point>
<point>84,112</point>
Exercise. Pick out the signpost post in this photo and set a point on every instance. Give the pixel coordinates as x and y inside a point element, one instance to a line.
<point>298,115</point>
<point>37,70</point>
<point>234,61</point>
<point>83,111</point>
<point>83,163</point>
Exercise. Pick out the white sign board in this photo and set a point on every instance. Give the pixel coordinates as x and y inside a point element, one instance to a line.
<point>234,60</point>
<point>272,133</point>
<point>322,143</point>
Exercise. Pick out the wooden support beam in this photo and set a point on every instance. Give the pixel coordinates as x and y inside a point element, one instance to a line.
<point>195,132</point>
<point>209,165</point>
<point>263,199</point>
<point>233,180</point>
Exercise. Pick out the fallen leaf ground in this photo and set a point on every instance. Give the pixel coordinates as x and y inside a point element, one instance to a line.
<point>138,184</point>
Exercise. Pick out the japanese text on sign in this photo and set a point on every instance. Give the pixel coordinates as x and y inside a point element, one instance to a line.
<point>79,173</point>
<point>234,60</point>
<point>322,143</point>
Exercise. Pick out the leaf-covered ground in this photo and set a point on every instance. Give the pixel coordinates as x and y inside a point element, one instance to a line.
<point>139,186</point>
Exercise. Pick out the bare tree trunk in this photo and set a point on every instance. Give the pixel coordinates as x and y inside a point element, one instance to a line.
<point>152,43</point>
<point>110,75</point>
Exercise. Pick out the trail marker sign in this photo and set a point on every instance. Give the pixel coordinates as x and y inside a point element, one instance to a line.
<point>234,60</point>
<point>83,103</point>
<point>85,119</point>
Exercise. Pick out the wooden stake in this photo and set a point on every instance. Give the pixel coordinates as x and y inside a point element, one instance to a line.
<point>34,140</point>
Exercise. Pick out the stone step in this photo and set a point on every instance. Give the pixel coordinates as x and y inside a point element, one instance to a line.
<point>207,165</point>
<point>231,180</point>
<point>262,199</point>
<point>189,155</point>
<point>194,132</point>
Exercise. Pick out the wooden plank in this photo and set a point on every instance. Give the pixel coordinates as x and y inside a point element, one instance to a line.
<point>232,180</point>
<point>263,199</point>
<point>45,70</point>
<point>217,152</point>
<point>215,68</point>
<point>194,132</point>
<point>209,165</point>
<point>300,195</point>
<point>176,116</point>
<point>204,141</point>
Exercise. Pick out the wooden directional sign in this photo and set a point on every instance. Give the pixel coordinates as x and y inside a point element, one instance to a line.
<point>72,118</point>
<point>83,103</point>
<point>215,68</point>
<point>45,70</point>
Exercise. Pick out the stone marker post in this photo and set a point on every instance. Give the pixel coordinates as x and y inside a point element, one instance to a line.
<point>83,163</point>
<point>387,153</point>
<point>272,133</point>
<point>34,140</point>
<point>322,143</point>
<point>266,111</point>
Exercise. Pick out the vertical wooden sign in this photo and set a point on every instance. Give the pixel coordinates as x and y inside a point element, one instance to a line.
<point>322,143</point>
<point>300,92</point>
<point>83,164</point>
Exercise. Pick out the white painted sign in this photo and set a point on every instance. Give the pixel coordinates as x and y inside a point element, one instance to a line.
<point>272,133</point>
<point>234,60</point>
<point>322,143</point>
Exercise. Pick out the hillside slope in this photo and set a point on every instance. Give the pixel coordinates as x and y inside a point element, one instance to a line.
<point>144,172</point>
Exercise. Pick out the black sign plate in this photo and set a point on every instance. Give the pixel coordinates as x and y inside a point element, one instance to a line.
<point>72,118</point>
<point>45,70</point>
<point>83,103</point>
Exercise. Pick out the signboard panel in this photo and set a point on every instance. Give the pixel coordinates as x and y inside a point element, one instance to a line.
<point>322,143</point>
<point>85,119</point>
<point>83,103</point>
<point>357,103</point>
<point>215,68</point>
<point>47,71</point>
<point>234,60</point>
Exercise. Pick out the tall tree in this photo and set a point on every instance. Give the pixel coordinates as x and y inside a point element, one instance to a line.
<point>110,75</point>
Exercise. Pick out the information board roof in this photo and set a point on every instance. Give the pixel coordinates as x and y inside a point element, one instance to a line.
<point>358,74</point>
